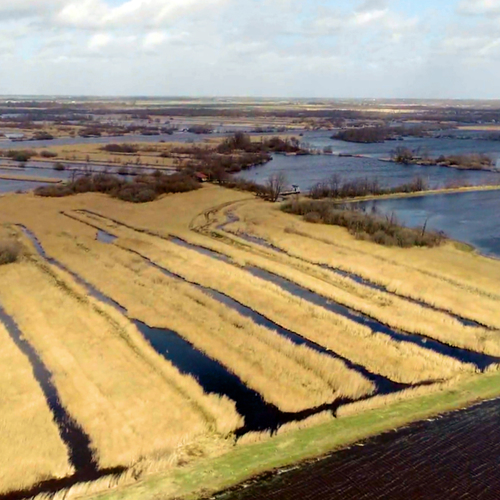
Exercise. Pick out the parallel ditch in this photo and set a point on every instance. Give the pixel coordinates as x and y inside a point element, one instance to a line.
<point>383,384</point>
<point>210,374</point>
<point>231,217</point>
<point>73,436</point>
<point>480,360</point>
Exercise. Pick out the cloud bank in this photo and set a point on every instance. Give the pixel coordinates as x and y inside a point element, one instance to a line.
<point>319,48</point>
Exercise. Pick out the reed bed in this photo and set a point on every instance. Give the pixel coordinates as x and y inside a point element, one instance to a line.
<point>428,283</point>
<point>31,449</point>
<point>138,410</point>
<point>291,377</point>
<point>92,358</point>
<point>378,352</point>
<point>391,310</point>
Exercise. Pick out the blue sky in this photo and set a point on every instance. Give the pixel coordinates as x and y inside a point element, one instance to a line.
<point>313,48</point>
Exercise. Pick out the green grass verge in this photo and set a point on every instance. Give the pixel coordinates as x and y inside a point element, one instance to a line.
<point>211,475</point>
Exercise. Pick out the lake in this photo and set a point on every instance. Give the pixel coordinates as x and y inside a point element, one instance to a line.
<point>8,186</point>
<point>305,171</point>
<point>470,217</point>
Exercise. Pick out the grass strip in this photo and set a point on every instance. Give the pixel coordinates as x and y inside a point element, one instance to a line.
<point>212,475</point>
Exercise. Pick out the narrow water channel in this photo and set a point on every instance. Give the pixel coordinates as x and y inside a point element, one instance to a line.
<point>374,286</point>
<point>73,436</point>
<point>210,374</point>
<point>383,384</point>
<point>346,274</point>
<point>480,360</point>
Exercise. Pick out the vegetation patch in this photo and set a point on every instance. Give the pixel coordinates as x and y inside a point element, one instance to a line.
<point>336,187</point>
<point>21,156</point>
<point>10,252</point>
<point>471,161</point>
<point>382,230</point>
<point>378,134</point>
<point>142,189</point>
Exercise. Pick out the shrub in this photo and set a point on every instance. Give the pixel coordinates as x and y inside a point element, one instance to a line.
<point>120,148</point>
<point>59,166</point>
<point>136,193</point>
<point>313,217</point>
<point>9,252</point>
<point>21,156</point>
<point>142,189</point>
<point>43,136</point>
<point>382,230</point>
<point>48,154</point>
<point>335,187</point>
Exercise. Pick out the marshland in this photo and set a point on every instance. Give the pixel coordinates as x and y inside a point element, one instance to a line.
<point>166,336</point>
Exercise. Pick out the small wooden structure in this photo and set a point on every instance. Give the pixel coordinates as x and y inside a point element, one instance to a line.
<point>294,189</point>
<point>201,177</point>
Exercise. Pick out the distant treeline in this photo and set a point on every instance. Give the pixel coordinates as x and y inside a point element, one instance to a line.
<point>424,112</point>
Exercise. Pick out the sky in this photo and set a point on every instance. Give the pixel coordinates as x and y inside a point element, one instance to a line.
<point>255,48</point>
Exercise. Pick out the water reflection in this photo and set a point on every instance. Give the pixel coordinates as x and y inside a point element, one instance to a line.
<point>469,217</point>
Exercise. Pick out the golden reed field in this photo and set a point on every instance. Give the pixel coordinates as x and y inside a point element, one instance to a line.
<point>141,338</point>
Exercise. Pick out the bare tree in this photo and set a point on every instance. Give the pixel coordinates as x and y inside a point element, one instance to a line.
<point>275,185</point>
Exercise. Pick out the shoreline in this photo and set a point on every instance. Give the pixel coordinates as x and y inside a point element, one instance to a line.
<point>22,178</point>
<point>418,194</point>
<point>456,167</point>
<point>251,463</point>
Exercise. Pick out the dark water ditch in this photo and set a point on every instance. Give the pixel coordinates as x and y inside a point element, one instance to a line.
<point>346,274</point>
<point>73,436</point>
<point>210,374</point>
<point>374,286</point>
<point>383,384</point>
<point>481,361</point>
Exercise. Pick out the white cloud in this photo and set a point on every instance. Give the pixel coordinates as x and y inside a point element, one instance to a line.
<point>97,14</point>
<point>154,39</point>
<point>271,47</point>
<point>477,7</point>
<point>99,41</point>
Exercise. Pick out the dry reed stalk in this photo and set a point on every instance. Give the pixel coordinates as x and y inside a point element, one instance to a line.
<point>382,401</point>
<point>301,378</point>
<point>464,283</point>
<point>126,418</point>
<point>31,449</point>
<point>328,329</point>
<point>393,311</point>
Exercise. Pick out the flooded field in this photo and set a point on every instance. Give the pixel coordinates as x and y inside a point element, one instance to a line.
<point>469,217</point>
<point>454,457</point>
